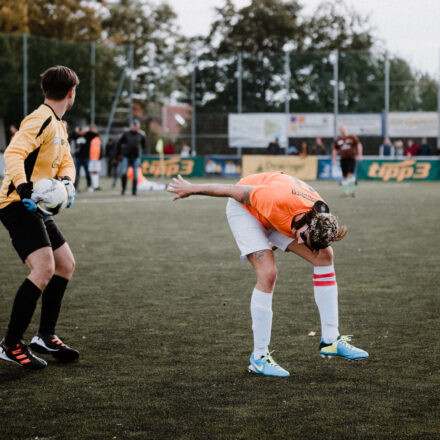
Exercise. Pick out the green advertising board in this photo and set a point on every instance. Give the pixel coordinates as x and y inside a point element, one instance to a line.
<point>152,166</point>
<point>398,170</point>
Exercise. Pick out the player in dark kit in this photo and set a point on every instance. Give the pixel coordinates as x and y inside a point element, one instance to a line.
<point>40,149</point>
<point>349,148</point>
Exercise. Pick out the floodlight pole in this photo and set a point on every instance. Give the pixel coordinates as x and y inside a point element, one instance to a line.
<point>92,82</point>
<point>287,85</point>
<point>239,91</point>
<point>335,92</point>
<point>438,106</point>
<point>193,105</point>
<point>148,114</point>
<point>25,75</point>
<point>131,61</point>
<point>387,94</point>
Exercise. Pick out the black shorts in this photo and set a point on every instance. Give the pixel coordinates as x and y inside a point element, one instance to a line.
<point>28,231</point>
<point>348,165</point>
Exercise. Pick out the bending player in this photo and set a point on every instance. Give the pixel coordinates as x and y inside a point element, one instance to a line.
<point>276,210</point>
<point>40,149</point>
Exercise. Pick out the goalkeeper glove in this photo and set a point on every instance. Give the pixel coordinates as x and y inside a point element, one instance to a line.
<point>30,198</point>
<point>70,188</point>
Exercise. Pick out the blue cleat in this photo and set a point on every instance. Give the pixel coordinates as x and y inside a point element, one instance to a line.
<point>266,366</point>
<point>341,348</point>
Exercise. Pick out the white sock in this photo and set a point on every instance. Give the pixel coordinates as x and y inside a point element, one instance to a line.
<point>261,312</point>
<point>326,298</point>
<point>95,180</point>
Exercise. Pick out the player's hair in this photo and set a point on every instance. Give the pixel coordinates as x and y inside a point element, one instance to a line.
<point>57,81</point>
<point>323,226</point>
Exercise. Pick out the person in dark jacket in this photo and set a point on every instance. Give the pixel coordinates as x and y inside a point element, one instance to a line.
<point>81,148</point>
<point>130,146</point>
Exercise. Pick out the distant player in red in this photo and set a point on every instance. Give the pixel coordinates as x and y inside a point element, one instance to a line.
<point>274,210</point>
<point>349,148</point>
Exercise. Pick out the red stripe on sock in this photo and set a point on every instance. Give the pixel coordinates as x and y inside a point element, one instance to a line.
<point>326,275</point>
<point>324,283</point>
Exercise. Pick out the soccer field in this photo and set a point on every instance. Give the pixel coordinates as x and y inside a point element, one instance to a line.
<point>159,309</point>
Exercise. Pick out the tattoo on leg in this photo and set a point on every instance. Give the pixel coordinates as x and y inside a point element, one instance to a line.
<point>259,255</point>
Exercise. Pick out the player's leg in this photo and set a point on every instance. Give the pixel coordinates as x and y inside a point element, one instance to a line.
<point>251,238</point>
<point>45,341</point>
<point>124,168</point>
<point>31,241</point>
<point>86,163</point>
<point>351,179</point>
<point>326,297</point>
<point>135,164</point>
<point>345,182</point>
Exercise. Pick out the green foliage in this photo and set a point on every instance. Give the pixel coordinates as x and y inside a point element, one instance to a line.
<point>265,29</point>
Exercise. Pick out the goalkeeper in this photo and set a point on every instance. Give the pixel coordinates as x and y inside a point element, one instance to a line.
<point>40,149</point>
<point>274,210</point>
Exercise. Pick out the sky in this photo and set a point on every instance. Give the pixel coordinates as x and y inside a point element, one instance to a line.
<point>407,28</point>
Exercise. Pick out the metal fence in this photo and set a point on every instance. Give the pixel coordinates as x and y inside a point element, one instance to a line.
<point>113,88</point>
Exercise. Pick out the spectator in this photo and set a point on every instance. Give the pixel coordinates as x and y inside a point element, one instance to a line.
<point>82,155</point>
<point>129,147</point>
<point>411,149</point>
<point>304,149</point>
<point>318,148</point>
<point>112,160</point>
<point>292,151</point>
<point>425,148</point>
<point>186,151</point>
<point>274,147</point>
<point>13,129</point>
<point>94,142</point>
<point>349,147</point>
<point>398,148</point>
<point>169,148</point>
<point>386,149</point>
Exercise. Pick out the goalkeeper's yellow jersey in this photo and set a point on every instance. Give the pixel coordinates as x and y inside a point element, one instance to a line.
<point>40,149</point>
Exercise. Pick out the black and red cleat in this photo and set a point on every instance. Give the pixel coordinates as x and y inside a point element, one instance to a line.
<point>21,355</point>
<point>52,344</point>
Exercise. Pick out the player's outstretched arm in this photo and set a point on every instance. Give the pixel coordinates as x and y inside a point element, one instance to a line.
<point>182,188</point>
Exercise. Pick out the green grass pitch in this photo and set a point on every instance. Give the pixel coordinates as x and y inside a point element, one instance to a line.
<point>159,308</point>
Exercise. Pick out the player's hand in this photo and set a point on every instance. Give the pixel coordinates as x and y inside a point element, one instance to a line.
<point>181,187</point>
<point>70,188</point>
<point>30,198</point>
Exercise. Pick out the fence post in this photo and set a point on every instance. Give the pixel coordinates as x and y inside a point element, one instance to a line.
<point>92,82</point>
<point>287,85</point>
<point>335,92</point>
<point>438,106</point>
<point>25,75</point>
<point>387,94</point>
<point>148,113</point>
<point>193,105</point>
<point>239,91</point>
<point>131,61</point>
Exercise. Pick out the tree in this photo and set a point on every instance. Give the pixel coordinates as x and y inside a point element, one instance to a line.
<point>14,16</point>
<point>263,31</point>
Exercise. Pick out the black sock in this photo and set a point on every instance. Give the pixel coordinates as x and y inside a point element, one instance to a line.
<point>22,311</point>
<point>51,304</point>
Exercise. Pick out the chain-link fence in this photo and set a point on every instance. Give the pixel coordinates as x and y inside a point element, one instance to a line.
<point>187,100</point>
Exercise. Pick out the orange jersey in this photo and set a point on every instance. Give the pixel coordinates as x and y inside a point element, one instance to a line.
<point>277,198</point>
<point>95,148</point>
<point>38,150</point>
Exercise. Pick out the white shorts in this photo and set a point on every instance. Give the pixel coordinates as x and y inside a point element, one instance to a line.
<point>94,166</point>
<point>250,234</point>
